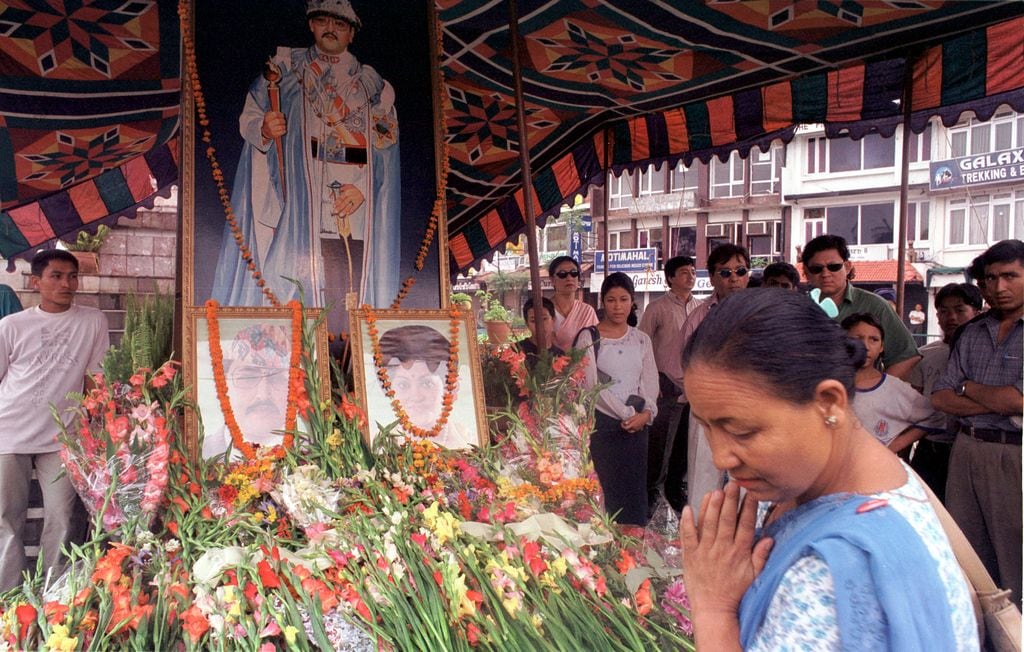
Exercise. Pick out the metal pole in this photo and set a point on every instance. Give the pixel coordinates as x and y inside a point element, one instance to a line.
<point>901,255</point>
<point>527,177</point>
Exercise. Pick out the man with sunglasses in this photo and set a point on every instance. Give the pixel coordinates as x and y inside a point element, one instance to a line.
<point>826,262</point>
<point>729,269</point>
<point>662,321</point>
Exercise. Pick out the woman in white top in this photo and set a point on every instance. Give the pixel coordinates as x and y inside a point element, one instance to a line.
<point>622,356</point>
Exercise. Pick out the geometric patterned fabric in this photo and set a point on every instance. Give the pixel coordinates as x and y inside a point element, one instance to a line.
<point>89,109</point>
<point>622,83</point>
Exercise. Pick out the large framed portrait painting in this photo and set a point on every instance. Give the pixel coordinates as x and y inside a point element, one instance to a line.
<point>417,373</point>
<point>321,117</point>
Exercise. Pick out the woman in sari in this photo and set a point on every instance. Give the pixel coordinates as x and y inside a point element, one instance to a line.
<point>845,551</point>
<point>571,314</point>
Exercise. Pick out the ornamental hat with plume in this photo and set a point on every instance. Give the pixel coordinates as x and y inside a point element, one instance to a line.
<point>337,8</point>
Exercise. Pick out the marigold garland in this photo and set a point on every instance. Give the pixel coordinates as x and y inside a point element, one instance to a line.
<point>295,381</point>
<point>451,379</point>
<point>442,182</point>
<point>184,14</point>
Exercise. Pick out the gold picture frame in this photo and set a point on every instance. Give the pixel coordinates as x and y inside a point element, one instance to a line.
<point>468,414</point>
<point>235,325</point>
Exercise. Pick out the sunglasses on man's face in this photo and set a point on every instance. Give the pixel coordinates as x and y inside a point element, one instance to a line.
<point>832,267</point>
<point>726,273</point>
<point>567,273</point>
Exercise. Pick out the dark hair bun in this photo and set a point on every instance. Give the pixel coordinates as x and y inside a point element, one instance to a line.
<point>856,351</point>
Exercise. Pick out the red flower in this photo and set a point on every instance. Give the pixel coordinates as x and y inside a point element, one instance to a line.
<point>194,623</point>
<point>268,577</point>
<point>26,615</point>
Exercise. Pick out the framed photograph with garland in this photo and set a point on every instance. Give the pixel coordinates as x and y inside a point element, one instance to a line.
<point>419,371</point>
<point>244,374</point>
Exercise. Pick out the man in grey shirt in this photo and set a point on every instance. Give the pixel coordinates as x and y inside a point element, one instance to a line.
<point>982,386</point>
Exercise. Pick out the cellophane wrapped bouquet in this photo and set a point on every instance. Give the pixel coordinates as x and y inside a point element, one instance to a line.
<point>117,445</point>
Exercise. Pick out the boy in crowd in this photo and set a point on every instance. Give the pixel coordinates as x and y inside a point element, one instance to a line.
<point>45,353</point>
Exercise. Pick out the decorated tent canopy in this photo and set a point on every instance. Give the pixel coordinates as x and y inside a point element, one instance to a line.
<point>89,111</point>
<point>90,95</point>
<point>678,79</point>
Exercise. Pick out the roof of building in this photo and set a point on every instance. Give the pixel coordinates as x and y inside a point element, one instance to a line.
<point>879,271</point>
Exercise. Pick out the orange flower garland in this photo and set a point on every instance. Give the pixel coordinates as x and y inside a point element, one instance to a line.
<point>451,379</point>
<point>295,381</point>
<point>185,17</point>
<point>442,184</point>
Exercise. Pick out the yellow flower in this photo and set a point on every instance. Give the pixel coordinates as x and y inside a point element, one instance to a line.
<point>559,567</point>
<point>334,439</point>
<point>257,517</point>
<point>289,633</point>
<point>60,641</point>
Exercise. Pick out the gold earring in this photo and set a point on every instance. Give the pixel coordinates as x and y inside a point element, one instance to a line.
<point>831,420</point>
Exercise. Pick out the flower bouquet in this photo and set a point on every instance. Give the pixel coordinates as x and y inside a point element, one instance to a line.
<point>116,449</point>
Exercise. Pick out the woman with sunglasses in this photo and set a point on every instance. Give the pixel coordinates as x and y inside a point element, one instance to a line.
<point>571,314</point>
<point>826,263</point>
<point>623,357</point>
<point>835,545</point>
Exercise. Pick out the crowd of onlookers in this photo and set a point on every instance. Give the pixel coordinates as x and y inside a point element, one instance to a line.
<point>952,408</point>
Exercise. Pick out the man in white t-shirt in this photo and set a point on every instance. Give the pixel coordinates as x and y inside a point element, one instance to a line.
<point>45,353</point>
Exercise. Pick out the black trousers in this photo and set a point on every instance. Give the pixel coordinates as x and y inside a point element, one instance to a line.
<point>931,461</point>
<point>620,460</point>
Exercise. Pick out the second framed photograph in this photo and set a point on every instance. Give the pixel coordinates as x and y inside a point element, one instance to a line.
<point>252,349</point>
<point>410,366</point>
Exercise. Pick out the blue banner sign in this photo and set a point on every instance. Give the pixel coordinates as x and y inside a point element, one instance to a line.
<point>627,260</point>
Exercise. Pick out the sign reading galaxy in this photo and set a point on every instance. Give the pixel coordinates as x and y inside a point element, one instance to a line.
<point>994,167</point>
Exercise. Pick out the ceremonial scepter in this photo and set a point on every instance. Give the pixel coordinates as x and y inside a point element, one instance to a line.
<point>272,74</point>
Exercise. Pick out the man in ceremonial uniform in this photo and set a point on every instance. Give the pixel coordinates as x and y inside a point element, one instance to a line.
<point>316,193</point>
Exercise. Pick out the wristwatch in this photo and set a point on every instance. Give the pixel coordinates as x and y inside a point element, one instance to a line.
<point>961,389</point>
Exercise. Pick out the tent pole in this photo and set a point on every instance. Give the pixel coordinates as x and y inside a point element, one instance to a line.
<point>527,177</point>
<point>901,254</point>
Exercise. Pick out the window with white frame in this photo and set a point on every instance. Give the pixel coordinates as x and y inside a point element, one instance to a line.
<point>917,220</point>
<point>814,223</point>
<point>765,171</point>
<point>683,241</point>
<point>683,178</point>
<point>620,194</point>
<point>1004,131</point>
<point>619,240</point>
<point>764,238</point>
<point>825,155</point>
<point>727,177</point>
<point>862,224</point>
<point>649,238</point>
<point>556,236</point>
<point>921,145</point>
<point>984,219</point>
<point>652,181</point>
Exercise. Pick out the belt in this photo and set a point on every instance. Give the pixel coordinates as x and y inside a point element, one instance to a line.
<point>335,154</point>
<point>993,435</point>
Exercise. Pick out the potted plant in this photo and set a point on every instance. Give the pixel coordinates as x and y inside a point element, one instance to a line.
<point>497,318</point>
<point>462,300</point>
<point>86,248</point>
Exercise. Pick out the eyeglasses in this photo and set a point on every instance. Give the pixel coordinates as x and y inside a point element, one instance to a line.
<point>567,273</point>
<point>331,21</point>
<point>832,267</point>
<point>726,273</point>
<point>249,377</point>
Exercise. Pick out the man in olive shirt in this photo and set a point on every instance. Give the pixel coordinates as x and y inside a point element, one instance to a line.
<point>826,261</point>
